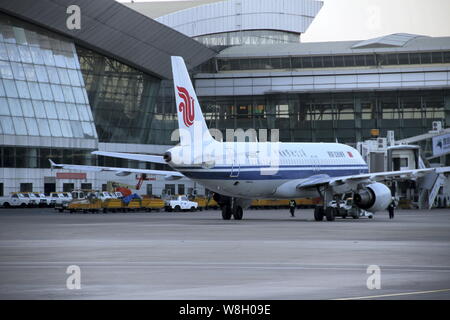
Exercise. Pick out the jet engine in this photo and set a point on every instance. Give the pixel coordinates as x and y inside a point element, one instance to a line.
<point>373,197</point>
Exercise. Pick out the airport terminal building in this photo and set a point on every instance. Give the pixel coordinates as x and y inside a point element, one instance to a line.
<point>106,86</point>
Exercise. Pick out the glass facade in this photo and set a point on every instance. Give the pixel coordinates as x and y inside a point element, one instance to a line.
<point>165,121</point>
<point>346,116</point>
<point>306,117</point>
<point>122,99</point>
<point>335,61</point>
<point>51,88</point>
<point>37,158</point>
<point>41,87</point>
<point>248,37</point>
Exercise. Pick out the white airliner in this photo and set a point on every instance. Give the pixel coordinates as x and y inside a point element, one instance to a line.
<point>241,171</point>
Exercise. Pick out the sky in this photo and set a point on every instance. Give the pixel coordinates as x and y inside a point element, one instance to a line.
<point>340,20</point>
<point>365,19</point>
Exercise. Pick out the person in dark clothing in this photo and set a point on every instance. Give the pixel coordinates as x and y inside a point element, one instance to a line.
<point>292,205</point>
<point>391,210</point>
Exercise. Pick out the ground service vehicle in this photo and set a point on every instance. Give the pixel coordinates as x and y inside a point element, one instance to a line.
<point>346,209</point>
<point>181,203</point>
<point>17,199</point>
<point>58,198</point>
<point>41,199</point>
<point>95,201</point>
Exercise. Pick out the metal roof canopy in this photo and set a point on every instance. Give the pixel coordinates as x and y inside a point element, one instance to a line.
<point>116,31</point>
<point>391,40</point>
<point>158,8</point>
<point>412,44</point>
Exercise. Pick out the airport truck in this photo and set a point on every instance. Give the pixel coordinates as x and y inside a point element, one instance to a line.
<point>17,199</point>
<point>58,198</point>
<point>40,198</point>
<point>181,203</point>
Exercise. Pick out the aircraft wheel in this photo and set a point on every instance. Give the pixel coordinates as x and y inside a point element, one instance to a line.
<point>329,213</point>
<point>318,213</point>
<point>226,212</point>
<point>238,213</point>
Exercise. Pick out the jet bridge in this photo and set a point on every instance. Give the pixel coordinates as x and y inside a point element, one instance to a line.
<point>422,151</point>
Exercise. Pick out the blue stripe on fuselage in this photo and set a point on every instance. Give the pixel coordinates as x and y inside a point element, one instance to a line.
<point>281,174</point>
<point>363,166</point>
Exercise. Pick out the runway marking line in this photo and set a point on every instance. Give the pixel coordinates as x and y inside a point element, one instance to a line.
<point>393,294</point>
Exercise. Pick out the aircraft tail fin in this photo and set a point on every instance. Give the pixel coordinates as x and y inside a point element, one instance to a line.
<point>190,117</point>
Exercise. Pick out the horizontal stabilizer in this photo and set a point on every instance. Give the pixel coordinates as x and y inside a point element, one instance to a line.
<point>170,175</point>
<point>131,156</point>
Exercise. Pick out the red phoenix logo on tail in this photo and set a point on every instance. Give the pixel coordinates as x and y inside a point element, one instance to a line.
<point>186,106</point>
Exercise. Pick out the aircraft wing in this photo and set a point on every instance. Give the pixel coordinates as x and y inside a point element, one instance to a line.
<point>169,175</point>
<point>131,156</point>
<point>321,180</point>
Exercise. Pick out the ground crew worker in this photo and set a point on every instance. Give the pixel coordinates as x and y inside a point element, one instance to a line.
<point>391,210</point>
<point>292,205</point>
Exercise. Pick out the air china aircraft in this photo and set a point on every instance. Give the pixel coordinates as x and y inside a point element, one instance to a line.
<point>241,171</point>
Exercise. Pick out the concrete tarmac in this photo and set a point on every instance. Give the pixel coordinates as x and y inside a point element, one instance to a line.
<point>268,255</point>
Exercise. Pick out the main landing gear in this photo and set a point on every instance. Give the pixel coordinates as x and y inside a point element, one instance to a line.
<point>227,212</point>
<point>325,211</point>
<point>328,212</point>
<point>229,207</point>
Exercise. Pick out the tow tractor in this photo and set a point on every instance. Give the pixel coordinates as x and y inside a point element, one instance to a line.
<point>346,208</point>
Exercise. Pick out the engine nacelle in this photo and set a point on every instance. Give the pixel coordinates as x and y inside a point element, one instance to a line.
<point>373,197</point>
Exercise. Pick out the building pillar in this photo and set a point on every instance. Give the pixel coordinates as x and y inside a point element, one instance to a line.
<point>294,107</point>
<point>446,111</point>
<point>446,124</point>
<point>271,112</point>
<point>358,118</point>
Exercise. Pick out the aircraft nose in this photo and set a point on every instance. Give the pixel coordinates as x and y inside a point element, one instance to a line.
<point>167,156</point>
